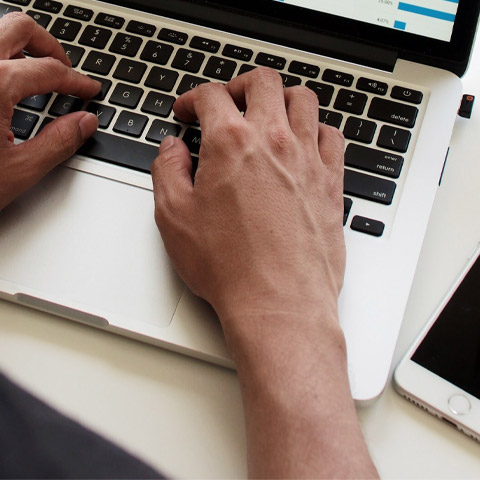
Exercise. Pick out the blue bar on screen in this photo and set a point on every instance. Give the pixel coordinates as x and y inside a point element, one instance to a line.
<point>428,12</point>
<point>399,25</point>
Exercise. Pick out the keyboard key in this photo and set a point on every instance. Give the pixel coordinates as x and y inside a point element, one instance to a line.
<point>393,112</point>
<point>394,139</point>
<point>246,68</point>
<point>48,6</point>
<point>44,123</point>
<point>126,95</point>
<point>74,53</point>
<point>368,187</point>
<point>98,62</point>
<point>205,44</point>
<point>157,52</point>
<point>324,92</point>
<point>407,95</point>
<point>339,78</point>
<point>130,123</point>
<point>347,206</point>
<point>219,68</point>
<point>95,37</point>
<point>161,79</point>
<point>290,80</point>
<point>350,101</point>
<point>106,84</point>
<point>160,129</point>
<point>36,102</point>
<point>129,70</point>
<point>367,225</point>
<point>4,9</point>
<point>65,29</point>
<point>126,44</point>
<point>188,60</point>
<point>334,119</point>
<point>141,28</point>
<point>239,53</point>
<point>20,2</point>
<point>23,123</point>
<point>64,104</point>
<point>189,82</point>
<point>158,104</point>
<point>43,19</point>
<point>173,36</point>
<point>108,20</point>
<point>79,13</point>
<point>372,86</point>
<point>304,69</point>
<point>120,151</point>
<point>104,113</point>
<point>359,130</point>
<point>371,160</point>
<point>272,61</point>
<point>193,140</point>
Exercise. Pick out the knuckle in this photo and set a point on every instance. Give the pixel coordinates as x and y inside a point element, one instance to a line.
<point>265,75</point>
<point>233,131</point>
<point>280,138</point>
<point>305,94</point>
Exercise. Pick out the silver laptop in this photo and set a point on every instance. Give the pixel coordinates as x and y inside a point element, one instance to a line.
<point>83,243</point>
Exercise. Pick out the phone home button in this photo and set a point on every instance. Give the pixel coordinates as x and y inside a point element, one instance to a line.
<point>459,404</point>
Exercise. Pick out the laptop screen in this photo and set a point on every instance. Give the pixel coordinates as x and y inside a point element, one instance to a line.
<point>429,18</point>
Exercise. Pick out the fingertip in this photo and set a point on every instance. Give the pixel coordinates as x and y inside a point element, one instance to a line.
<point>88,125</point>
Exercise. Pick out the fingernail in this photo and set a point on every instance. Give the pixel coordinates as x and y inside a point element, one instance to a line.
<point>88,124</point>
<point>167,143</point>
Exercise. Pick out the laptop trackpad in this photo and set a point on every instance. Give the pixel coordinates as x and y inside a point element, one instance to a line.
<point>87,241</point>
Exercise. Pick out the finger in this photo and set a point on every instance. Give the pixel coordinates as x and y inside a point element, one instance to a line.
<point>260,94</point>
<point>24,77</point>
<point>20,32</point>
<point>331,146</point>
<point>302,111</point>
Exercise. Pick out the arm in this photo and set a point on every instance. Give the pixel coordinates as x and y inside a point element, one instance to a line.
<point>259,235</point>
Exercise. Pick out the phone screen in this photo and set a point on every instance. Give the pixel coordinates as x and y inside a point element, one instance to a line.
<point>451,348</point>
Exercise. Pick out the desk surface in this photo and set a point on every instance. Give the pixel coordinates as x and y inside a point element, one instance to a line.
<point>185,417</point>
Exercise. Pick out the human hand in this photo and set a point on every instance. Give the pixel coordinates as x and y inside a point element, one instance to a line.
<point>22,165</point>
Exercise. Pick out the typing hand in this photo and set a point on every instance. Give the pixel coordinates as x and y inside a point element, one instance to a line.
<point>21,166</point>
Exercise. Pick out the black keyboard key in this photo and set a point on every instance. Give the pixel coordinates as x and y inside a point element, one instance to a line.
<point>129,70</point>
<point>120,151</point>
<point>23,123</point>
<point>130,123</point>
<point>393,112</point>
<point>161,79</point>
<point>157,52</point>
<point>106,84</point>
<point>372,86</point>
<point>305,69</point>
<point>193,140</point>
<point>104,113</point>
<point>125,44</point>
<point>239,53</point>
<point>407,95</point>
<point>74,53</point>
<point>368,187</point>
<point>347,206</point>
<point>43,19</point>
<point>64,104</point>
<point>188,60</point>
<point>324,92</point>
<point>189,82</point>
<point>350,101</point>
<point>36,102</point>
<point>334,119</point>
<point>160,129</point>
<point>394,139</point>
<point>65,29</point>
<point>95,37</point>
<point>158,104</point>
<point>246,68</point>
<point>220,68</point>
<point>20,2</point>
<point>98,62</point>
<point>173,36</point>
<point>79,13</point>
<point>359,129</point>
<point>371,160</point>
<point>48,6</point>
<point>272,61</point>
<point>4,9</point>
<point>126,95</point>
<point>108,20</point>
<point>367,225</point>
<point>141,28</point>
<point>44,123</point>
<point>339,78</point>
<point>290,80</point>
<point>205,44</point>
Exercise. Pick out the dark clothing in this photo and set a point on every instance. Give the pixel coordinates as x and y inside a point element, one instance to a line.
<point>38,442</point>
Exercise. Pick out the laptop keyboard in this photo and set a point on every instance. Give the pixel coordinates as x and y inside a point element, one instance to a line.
<point>144,67</point>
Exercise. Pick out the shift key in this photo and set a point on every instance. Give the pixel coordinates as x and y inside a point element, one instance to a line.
<point>368,187</point>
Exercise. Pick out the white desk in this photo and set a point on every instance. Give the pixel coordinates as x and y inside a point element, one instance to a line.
<point>185,417</point>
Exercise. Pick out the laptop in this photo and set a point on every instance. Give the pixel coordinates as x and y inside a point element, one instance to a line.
<point>83,243</point>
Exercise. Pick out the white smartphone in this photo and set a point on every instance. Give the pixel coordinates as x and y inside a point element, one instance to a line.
<point>441,370</point>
